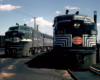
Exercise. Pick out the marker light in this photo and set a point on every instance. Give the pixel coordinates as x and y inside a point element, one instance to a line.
<point>61,32</point>
<point>58,32</point>
<point>77,25</point>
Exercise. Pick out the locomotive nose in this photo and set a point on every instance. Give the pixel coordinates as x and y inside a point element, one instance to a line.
<point>14,33</point>
<point>14,37</point>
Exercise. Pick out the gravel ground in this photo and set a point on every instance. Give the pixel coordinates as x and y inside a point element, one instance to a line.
<point>36,68</point>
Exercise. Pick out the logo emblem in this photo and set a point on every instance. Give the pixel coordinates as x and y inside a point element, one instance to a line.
<point>77,40</point>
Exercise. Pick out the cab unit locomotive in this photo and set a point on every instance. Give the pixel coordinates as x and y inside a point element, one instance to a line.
<point>75,36</point>
<point>22,40</point>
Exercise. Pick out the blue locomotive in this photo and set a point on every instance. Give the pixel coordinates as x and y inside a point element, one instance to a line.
<point>22,40</point>
<point>75,36</point>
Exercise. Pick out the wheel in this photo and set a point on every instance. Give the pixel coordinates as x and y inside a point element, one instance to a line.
<point>30,53</point>
<point>35,50</point>
<point>39,50</point>
<point>45,49</point>
<point>6,53</point>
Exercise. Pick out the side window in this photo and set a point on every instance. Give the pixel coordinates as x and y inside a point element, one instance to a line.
<point>25,29</point>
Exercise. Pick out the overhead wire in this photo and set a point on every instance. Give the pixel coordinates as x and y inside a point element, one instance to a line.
<point>20,12</point>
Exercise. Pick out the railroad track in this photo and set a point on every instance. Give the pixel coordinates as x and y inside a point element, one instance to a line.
<point>71,73</point>
<point>6,64</point>
<point>85,75</point>
<point>94,70</point>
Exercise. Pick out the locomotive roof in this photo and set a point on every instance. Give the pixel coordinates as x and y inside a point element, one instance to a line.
<point>71,15</point>
<point>21,26</point>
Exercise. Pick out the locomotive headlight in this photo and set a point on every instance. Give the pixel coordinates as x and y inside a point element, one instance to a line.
<point>77,25</point>
<point>15,39</point>
<point>61,32</point>
<point>14,34</point>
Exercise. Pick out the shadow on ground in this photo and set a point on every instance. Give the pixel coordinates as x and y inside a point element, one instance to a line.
<point>48,60</point>
<point>3,56</point>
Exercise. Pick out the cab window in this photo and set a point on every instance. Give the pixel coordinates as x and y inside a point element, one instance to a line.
<point>83,18</point>
<point>24,29</point>
<point>14,28</point>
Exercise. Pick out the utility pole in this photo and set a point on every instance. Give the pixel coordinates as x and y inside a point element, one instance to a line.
<point>95,21</point>
<point>35,23</point>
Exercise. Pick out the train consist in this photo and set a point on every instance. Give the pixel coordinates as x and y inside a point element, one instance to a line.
<point>75,36</point>
<point>22,40</point>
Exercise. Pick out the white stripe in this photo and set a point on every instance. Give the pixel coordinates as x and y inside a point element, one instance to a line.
<point>20,40</point>
<point>26,40</point>
<point>90,45</point>
<point>93,44</point>
<point>88,40</point>
<point>71,40</point>
<point>60,42</point>
<point>62,37</point>
<point>67,38</point>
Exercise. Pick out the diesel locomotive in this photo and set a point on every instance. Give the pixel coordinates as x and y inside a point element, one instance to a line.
<point>22,40</point>
<point>75,37</point>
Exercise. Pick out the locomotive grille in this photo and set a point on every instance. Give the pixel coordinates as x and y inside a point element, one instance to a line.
<point>64,41</point>
<point>89,41</point>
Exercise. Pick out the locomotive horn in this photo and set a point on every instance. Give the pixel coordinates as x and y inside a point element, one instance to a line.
<point>17,24</point>
<point>25,24</point>
<point>77,12</point>
<point>67,11</point>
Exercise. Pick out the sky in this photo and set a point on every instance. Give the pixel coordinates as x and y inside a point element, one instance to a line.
<point>24,11</point>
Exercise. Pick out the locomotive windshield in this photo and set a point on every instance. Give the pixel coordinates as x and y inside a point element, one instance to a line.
<point>83,18</point>
<point>62,18</point>
<point>61,28</point>
<point>14,28</point>
<point>25,29</point>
